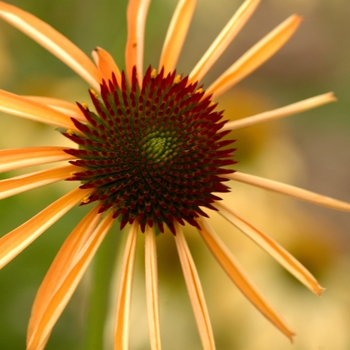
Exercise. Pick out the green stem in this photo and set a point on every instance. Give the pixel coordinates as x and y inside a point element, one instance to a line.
<point>103,268</point>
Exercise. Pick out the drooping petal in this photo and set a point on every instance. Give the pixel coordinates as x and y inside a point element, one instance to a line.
<point>224,39</point>
<point>151,276</point>
<point>289,190</point>
<point>23,107</point>
<point>122,323</point>
<point>195,291</point>
<point>11,159</point>
<point>61,265</point>
<point>105,64</point>
<point>18,184</point>
<point>136,17</point>
<point>255,56</point>
<point>42,324</point>
<point>272,248</point>
<point>63,261</point>
<point>69,109</point>
<point>239,277</point>
<point>17,240</point>
<point>176,34</point>
<point>282,112</point>
<point>52,41</point>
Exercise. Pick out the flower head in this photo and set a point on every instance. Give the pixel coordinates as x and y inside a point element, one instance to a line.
<point>150,152</point>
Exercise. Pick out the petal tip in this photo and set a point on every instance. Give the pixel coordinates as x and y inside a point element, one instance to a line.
<point>331,96</point>
<point>318,290</point>
<point>291,336</point>
<point>297,18</point>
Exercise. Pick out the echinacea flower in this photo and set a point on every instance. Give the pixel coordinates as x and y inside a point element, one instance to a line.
<point>150,153</point>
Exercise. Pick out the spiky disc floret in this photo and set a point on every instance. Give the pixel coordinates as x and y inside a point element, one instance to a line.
<point>152,153</point>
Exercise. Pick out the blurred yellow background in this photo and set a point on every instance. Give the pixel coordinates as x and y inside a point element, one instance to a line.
<point>310,150</point>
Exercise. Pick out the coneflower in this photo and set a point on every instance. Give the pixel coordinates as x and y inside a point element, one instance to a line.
<point>147,152</point>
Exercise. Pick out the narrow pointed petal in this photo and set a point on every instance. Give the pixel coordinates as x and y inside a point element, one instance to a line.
<point>17,240</point>
<point>122,323</point>
<point>152,288</point>
<point>195,291</point>
<point>11,159</point>
<point>69,109</point>
<point>43,325</point>
<point>176,34</point>
<point>25,108</point>
<point>136,17</point>
<point>224,39</point>
<point>272,248</point>
<point>255,57</point>
<point>282,112</point>
<point>52,41</point>
<point>18,184</point>
<point>239,277</point>
<point>105,64</point>
<point>289,190</point>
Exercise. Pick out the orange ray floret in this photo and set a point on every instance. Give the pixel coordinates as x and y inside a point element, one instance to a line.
<point>151,274</point>
<point>52,41</point>
<point>122,320</point>
<point>11,159</point>
<point>195,291</point>
<point>239,277</point>
<point>18,239</point>
<point>26,108</point>
<point>255,56</point>
<point>136,19</point>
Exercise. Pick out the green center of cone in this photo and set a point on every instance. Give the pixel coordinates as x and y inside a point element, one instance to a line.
<point>158,147</point>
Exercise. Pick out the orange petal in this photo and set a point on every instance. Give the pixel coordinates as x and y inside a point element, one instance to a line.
<point>23,107</point>
<point>282,112</point>
<point>289,190</point>
<point>69,109</point>
<point>15,241</point>
<point>195,291</point>
<point>272,248</point>
<point>122,323</point>
<point>255,57</point>
<point>41,324</point>
<point>18,184</point>
<point>11,159</point>
<point>105,64</point>
<point>136,18</point>
<point>224,39</point>
<point>176,34</point>
<point>152,288</point>
<point>52,41</point>
<point>239,277</point>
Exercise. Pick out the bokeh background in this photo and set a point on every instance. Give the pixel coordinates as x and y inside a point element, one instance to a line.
<point>310,150</point>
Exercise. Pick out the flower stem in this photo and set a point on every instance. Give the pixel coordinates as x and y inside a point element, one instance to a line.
<point>102,276</point>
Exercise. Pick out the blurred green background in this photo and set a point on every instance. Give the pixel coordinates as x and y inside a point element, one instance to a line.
<point>310,150</point>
